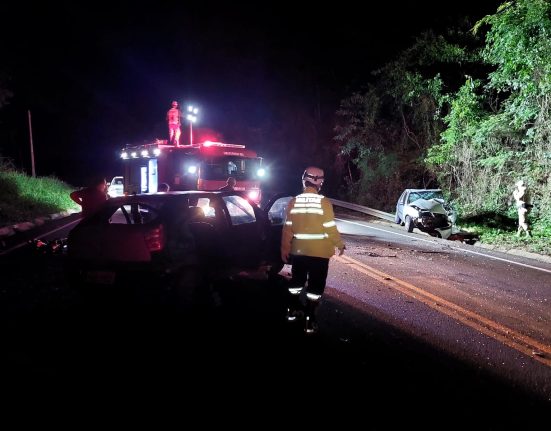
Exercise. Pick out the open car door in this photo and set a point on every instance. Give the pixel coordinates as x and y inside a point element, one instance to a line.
<point>275,209</point>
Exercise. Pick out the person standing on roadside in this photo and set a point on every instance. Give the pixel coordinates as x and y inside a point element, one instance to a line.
<point>521,198</point>
<point>91,198</point>
<point>309,238</point>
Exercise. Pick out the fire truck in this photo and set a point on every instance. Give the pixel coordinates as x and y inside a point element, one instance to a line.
<point>203,166</point>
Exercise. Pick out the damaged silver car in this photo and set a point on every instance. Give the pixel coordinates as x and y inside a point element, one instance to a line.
<point>426,210</point>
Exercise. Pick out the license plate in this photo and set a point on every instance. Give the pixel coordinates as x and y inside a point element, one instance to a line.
<point>100,277</point>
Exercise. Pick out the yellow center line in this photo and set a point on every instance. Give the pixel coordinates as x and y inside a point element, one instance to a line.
<point>524,344</point>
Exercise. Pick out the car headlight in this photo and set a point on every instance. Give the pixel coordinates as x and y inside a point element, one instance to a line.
<point>414,212</point>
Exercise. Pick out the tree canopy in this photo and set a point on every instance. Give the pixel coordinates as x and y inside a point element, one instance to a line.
<point>468,111</point>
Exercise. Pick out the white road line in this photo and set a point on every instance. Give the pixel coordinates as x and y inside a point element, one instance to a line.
<point>450,246</point>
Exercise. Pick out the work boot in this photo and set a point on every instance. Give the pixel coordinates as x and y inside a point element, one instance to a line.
<point>294,307</point>
<point>311,326</point>
<point>294,315</point>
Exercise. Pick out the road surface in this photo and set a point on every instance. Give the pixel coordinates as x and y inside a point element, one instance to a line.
<point>422,326</point>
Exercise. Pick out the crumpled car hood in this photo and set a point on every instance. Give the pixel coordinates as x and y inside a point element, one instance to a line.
<point>431,205</point>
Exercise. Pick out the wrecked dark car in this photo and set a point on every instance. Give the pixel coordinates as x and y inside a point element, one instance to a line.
<point>184,238</point>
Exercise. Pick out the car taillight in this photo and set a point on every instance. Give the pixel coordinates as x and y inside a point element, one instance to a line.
<point>155,239</point>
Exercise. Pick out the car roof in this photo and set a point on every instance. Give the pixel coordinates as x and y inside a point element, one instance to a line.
<point>160,196</point>
<point>152,197</point>
<point>424,190</point>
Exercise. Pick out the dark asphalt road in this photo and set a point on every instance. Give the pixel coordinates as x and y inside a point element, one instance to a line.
<point>238,352</point>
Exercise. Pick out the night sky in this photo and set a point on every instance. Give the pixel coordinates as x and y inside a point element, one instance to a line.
<point>97,76</point>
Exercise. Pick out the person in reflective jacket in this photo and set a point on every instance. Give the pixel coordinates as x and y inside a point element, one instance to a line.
<point>309,238</point>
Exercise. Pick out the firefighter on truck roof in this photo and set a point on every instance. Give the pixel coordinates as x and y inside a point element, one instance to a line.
<point>173,118</point>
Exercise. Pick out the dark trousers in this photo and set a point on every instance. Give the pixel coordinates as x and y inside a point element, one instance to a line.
<point>311,269</point>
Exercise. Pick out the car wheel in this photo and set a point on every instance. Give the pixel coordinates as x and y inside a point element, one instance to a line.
<point>409,224</point>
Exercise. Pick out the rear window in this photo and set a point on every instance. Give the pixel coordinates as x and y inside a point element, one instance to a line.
<point>135,213</point>
<point>278,210</point>
<point>207,206</point>
<point>241,211</point>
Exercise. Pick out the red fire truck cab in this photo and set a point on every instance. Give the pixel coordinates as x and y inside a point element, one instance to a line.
<point>204,166</point>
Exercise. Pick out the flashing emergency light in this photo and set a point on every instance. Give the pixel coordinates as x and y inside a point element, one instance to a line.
<point>124,155</point>
<point>253,195</point>
<point>261,172</point>
<point>221,144</point>
<point>192,169</point>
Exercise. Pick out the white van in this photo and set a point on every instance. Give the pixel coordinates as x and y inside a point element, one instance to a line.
<point>116,187</point>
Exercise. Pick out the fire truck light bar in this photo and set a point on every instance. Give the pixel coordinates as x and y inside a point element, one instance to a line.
<point>221,144</point>
<point>155,149</point>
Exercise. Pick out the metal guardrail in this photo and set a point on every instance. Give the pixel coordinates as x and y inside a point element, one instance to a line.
<point>362,209</point>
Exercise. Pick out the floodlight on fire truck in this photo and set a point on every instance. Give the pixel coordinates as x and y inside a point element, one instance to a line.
<point>134,155</point>
<point>124,155</point>
<point>192,118</point>
<point>156,151</point>
<point>261,172</point>
<point>145,153</point>
<point>192,169</point>
<point>192,114</point>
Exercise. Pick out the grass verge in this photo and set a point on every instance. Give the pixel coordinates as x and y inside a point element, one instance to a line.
<point>24,198</point>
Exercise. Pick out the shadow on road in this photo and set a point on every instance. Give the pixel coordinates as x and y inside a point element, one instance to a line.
<point>237,350</point>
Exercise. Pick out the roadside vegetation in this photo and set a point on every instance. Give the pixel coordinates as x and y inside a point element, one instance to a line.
<point>468,111</point>
<point>24,198</point>
<point>501,233</point>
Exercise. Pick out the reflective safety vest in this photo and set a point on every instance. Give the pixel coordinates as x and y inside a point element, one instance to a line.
<point>310,228</point>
